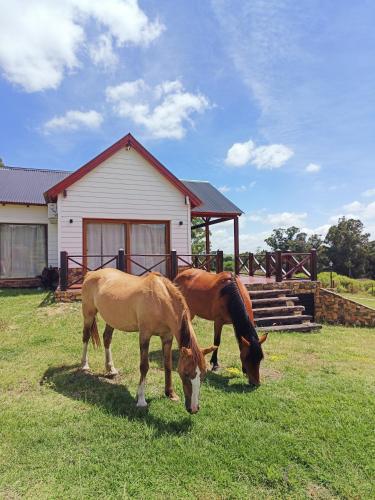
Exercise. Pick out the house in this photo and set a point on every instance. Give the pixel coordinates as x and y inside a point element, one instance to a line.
<point>124,198</point>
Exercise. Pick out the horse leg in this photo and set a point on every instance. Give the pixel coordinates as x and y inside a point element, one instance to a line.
<point>107,339</point>
<point>167,356</point>
<point>218,325</point>
<point>144,365</point>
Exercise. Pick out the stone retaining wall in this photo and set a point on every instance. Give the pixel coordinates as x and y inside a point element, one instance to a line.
<point>331,307</point>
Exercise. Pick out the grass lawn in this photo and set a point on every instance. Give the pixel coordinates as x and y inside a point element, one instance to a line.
<point>307,432</point>
<point>366,300</point>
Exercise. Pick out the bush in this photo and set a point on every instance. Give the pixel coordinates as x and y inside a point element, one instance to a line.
<point>344,284</point>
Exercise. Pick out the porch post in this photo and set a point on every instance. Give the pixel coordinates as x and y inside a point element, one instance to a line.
<point>236,246</point>
<point>314,266</point>
<point>207,231</point>
<point>63,271</point>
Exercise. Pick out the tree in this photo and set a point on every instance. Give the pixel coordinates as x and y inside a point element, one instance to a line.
<point>293,239</point>
<point>347,246</point>
<point>1,163</point>
<point>198,237</point>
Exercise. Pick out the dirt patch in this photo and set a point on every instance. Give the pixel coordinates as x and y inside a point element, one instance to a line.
<point>57,310</point>
<point>8,494</point>
<point>3,325</point>
<point>271,374</point>
<point>318,491</point>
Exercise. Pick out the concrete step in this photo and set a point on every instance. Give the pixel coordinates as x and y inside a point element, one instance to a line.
<point>270,311</point>
<point>274,320</point>
<point>259,294</point>
<point>274,300</point>
<point>304,327</point>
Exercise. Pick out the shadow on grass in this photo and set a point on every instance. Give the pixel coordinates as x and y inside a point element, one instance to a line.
<point>48,299</point>
<point>15,292</point>
<point>223,382</point>
<point>103,393</point>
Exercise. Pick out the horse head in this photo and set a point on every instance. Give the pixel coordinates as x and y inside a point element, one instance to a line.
<point>192,370</point>
<point>251,355</point>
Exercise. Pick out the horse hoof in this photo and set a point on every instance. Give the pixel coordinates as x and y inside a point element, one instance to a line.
<point>111,372</point>
<point>173,396</point>
<point>141,404</point>
<point>215,368</point>
<point>85,368</point>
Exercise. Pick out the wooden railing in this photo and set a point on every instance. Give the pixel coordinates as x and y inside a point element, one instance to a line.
<point>281,265</point>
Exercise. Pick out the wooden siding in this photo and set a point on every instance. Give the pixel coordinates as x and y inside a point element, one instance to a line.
<point>125,186</point>
<point>23,214</point>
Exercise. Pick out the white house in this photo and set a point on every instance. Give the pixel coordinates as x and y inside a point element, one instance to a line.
<point>123,198</point>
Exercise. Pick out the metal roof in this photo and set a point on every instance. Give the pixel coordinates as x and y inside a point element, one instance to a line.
<point>214,202</point>
<point>27,185</point>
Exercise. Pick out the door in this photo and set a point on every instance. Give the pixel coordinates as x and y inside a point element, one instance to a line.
<point>103,241</point>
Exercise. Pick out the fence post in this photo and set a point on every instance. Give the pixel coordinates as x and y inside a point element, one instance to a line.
<point>268,264</point>
<point>279,266</point>
<point>63,271</point>
<point>314,265</point>
<point>174,264</point>
<point>121,260</point>
<point>288,264</point>
<point>219,261</point>
<point>251,264</point>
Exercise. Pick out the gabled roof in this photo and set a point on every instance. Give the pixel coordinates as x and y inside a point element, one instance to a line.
<point>126,141</point>
<point>27,185</point>
<point>213,203</point>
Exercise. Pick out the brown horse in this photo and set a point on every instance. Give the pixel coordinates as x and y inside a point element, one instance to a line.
<point>222,298</point>
<point>151,305</point>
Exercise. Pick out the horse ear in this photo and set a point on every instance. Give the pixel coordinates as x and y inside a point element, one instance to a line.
<point>263,338</point>
<point>207,350</point>
<point>186,350</point>
<point>245,342</point>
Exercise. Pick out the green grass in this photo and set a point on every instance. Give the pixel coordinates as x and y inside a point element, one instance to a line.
<point>366,300</point>
<point>307,432</point>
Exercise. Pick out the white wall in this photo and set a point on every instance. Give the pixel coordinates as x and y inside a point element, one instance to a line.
<point>32,215</point>
<point>123,187</point>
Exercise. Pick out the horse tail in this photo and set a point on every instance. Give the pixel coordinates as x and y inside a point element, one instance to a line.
<point>95,334</point>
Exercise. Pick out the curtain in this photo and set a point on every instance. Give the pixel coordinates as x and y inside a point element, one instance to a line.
<point>23,252</point>
<point>103,239</point>
<point>148,239</point>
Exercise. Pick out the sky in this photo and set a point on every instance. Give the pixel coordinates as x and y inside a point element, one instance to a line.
<point>272,101</point>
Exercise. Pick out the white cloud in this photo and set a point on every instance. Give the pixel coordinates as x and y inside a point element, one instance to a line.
<point>262,157</point>
<point>164,111</point>
<point>312,168</point>
<point>369,192</point>
<point>74,120</point>
<point>41,40</point>
<point>102,52</point>
<point>224,189</point>
<point>279,218</point>
<point>355,206</point>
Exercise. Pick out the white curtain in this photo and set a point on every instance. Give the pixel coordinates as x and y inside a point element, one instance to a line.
<point>103,239</point>
<point>23,252</point>
<point>148,239</point>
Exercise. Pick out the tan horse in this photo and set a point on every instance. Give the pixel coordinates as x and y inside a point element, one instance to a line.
<point>151,305</point>
<point>222,298</point>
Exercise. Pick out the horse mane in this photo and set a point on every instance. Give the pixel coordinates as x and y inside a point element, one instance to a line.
<point>243,327</point>
<point>188,338</point>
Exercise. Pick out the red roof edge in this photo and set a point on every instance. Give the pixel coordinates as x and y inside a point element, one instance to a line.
<point>127,140</point>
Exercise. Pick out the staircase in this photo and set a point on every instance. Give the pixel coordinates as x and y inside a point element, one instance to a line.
<point>278,311</point>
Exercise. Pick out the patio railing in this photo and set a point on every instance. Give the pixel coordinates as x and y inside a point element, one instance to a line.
<point>278,265</point>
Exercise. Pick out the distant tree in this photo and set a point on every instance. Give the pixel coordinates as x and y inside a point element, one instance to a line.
<point>293,239</point>
<point>348,247</point>
<point>198,237</point>
<point>1,163</point>
<point>370,264</point>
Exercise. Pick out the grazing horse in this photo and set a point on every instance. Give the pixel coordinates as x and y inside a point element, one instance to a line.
<point>222,298</point>
<point>151,305</point>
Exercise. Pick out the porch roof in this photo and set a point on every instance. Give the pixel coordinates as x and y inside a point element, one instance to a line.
<point>214,203</point>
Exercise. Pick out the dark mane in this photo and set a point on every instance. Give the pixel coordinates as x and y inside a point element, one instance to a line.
<point>242,325</point>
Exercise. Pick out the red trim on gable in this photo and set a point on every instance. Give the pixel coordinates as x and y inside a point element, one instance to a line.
<point>127,140</point>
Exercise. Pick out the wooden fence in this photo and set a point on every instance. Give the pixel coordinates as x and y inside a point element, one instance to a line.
<point>277,265</point>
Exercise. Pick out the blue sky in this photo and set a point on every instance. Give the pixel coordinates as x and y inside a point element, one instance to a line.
<point>273,101</point>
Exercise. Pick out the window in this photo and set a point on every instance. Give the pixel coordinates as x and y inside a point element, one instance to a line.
<point>23,250</point>
<point>145,242</point>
